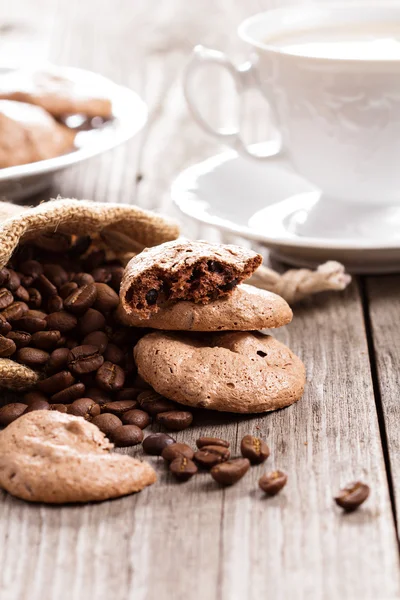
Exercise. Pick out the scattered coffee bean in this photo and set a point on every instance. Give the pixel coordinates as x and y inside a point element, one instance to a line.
<point>58,360</point>
<point>7,346</point>
<point>100,396</point>
<point>84,359</point>
<point>155,443</point>
<point>56,274</point>
<point>127,435</point>
<point>176,450</point>
<point>98,339</point>
<point>4,276</point>
<point>46,340</point>
<point>91,321</point>
<point>211,441</point>
<point>69,394</point>
<point>55,383</point>
<point>67,289</point>
<point>94,259</point>
<point>183,468</point>
<point>101,275</point>
<point>82,279</point>
<point>32,357</point>
<point>272,483</point>
<point>128,394</point>
<point>118,407</point>
<point>175,420</point>
<point>15,311</point>
<point>11,412</point>
<point>106,299</point>
<point>110,377</point>
<point>55,304</point>
<point>62,408</point>
<point>38,405</point>
<point>31,397</point>
<point>20,338</point>
<point>35,298</point>
<point>81,299</point>
<point>6,298</point>
<point>31,267</point>
<point>107,423</point>
<point>22,294</point>
<point>62,321</point>
<point>154,403</point>
<point>14,281</point>
<point>53,242</point>
<point>5,326</point>
<point>229,472</point>
<point>136,417</point>
<point>84,407</point>
<point>208,456</point>
<point>114,354</point>
<point>45,287</point>
<point>31,324</point>
<point>255,449</point>
<point>352,495</point>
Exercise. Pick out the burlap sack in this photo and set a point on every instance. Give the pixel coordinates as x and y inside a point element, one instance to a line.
<point>123,229</point>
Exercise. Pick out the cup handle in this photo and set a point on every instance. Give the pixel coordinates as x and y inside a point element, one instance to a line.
<point>243,77</point>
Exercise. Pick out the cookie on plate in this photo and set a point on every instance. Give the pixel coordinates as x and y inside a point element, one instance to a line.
<point>247,309</point>
<point>29,134</point>
<point>47,456</point>
<point>57,94</point>
<point>239,372</point>
<point>183,270</point>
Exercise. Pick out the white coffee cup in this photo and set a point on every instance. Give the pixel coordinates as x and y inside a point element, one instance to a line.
<point>339,118</point>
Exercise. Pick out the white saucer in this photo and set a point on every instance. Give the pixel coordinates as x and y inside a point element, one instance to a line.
<point>129,116</point>
<point>269,203</point>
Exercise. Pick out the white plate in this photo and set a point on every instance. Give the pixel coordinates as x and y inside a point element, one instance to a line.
<point>272,205</point>
<point>129,116</point>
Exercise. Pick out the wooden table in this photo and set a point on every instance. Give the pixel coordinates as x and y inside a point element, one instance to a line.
<point>196,541</point>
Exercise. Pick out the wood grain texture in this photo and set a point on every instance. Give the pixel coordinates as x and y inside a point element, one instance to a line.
<point>195,541</point>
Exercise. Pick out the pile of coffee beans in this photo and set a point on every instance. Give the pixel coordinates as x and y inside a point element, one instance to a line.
<point>58,296</point>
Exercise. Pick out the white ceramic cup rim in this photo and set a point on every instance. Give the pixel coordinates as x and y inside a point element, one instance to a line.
<point>276,21</point>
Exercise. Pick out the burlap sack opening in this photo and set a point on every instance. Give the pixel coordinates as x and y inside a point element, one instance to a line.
<point>121,228</point>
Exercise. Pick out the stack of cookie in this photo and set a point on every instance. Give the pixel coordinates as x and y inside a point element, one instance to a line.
<point>207,351</point>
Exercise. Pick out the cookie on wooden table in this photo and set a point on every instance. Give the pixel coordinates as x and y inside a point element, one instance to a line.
<point>247,309</point>
<point>28,134</point>
<point>239,372</point>
<point>57,94</point>
<point>183,270</point>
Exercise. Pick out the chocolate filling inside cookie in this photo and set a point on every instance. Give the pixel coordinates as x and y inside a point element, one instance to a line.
<point>202,281</point>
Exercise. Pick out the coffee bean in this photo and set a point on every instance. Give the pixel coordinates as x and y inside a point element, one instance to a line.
<point>31,397</point>
<point>255,449</point>
<point>27,280</point>
<point>22,294</point>
<point>81,245</point>
<point>35,298</point>
<point>151,297</point>
<point>11,412</point>
<point>119,407</point>
<point>81,299</point>
<point>20,338</point>
<point>4,275</point>
<point>107,300</point>
<point>352,495</point>
<point>46,340</point>
<point>84,407</point>
<point>208,456</point>
<point>5,326</point>
<point>154,403</point>
<point>14,281</point>
<point>45,286</point>
<point>35,313</point>
<point>69,394</point>
<point>71,344</point>
<point>84,359</point>
<point>38,405</point>
<point>117,273</point>
<point>7,347</point>
<point>94,259</point>
<point>31,324</point>
<point>67,289</point>
<point>229,472</point>
<point>107,423</point>
<point>136,417</point>
<point>58,359</point>
<point>62,408</point>
<point>6,298</point>
<point>175,420</point>
<point>83,279</point>
<point>62,321</point>
<point>128,394</point>
<point>114,354</point>
<point>31,267</point>
<point>55,304</point>
<point>127,435</point>
<point>101,275</point>
<point>32,357</point>
<point>177,450</point>
<point>110,377</point>
<point>98,395</point>
<point>15,311</point>
<point>272,483</point>
<point>98,339</point>
<point>54,241</point>
<point>155,443</point>
<point>55,383</point>
<point>91,321</point>
<point>183,468</point>
<point>211,441</point>
<point>56,274</point>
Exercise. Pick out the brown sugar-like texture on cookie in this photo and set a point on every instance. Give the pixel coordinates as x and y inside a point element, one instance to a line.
<point>183,270</point>
<point>28,134</point>
<point>59,95</point>
<point>247,309</point>
<point>47,456</point>
<point>239,372</point>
